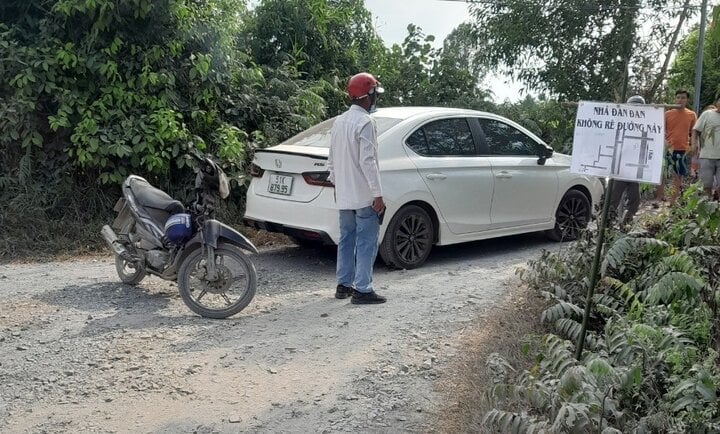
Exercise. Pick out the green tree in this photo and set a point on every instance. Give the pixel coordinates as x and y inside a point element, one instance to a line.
<point>324,41</point>
<point>404,70</point>
<point>577,49</point>
<point>682,73</point>
<point>456,73</point>
<point>93,90</point>
<point>321,38</point>
<point>416,73</point>
<point>109,87</point>
<point>549,120</point>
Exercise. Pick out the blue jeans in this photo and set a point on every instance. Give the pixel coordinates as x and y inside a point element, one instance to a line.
<point>357,248</point>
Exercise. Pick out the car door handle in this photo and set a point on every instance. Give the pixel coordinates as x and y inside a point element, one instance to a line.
<point>436,176</point>
<point>504,175</point>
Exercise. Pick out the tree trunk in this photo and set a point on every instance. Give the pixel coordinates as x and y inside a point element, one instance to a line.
<point>671,48</point>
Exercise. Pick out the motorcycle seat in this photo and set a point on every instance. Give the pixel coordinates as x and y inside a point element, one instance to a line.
<point>151,197</point>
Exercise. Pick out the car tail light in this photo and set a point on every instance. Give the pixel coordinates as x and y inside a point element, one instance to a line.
<point>256,170</point>
<point>317,178</point>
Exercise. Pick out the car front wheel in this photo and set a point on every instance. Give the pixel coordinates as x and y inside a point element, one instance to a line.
<point>572,217</point>
<point>408,238</point>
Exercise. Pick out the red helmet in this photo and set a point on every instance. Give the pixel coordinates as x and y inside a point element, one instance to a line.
<point>362,85</point>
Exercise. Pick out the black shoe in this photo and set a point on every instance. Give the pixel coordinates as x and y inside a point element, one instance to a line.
<point>343,291</point>
<point>367,298</point>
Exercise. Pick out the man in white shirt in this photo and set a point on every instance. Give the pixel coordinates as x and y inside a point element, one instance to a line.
<point>706,137</point>
<point>354,170</point>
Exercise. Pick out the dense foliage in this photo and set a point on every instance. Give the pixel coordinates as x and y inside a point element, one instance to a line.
<point>93,90</point>
<point>682,73</point>
<point>87,88</point>
<point>579,49</point>
<point>651,357</point>
<point>415,73</point>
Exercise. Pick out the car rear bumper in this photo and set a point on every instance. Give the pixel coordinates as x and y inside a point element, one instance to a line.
<point>309,221</point>
<point>307,234</point>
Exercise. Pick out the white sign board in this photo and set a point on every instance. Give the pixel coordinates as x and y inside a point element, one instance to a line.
<point>621,141</point>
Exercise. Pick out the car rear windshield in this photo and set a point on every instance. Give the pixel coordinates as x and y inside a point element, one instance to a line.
<point>319,135</point>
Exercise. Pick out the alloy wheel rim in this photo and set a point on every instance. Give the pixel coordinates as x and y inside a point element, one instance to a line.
<point>412,239</point>
<point>573,216</point>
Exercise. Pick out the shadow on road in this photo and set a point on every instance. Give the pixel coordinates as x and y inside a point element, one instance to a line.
<point>323,258</point>
<point>490,249</point>
<point>135,306</point>
<point>280,270</point>
<point>104,296</point>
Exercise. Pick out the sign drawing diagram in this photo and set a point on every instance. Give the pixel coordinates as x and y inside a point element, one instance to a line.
<point>614,155</point>
<point>619,141</point>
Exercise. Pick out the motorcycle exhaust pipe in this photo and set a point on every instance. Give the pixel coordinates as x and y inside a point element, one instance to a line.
<point>115,245</point>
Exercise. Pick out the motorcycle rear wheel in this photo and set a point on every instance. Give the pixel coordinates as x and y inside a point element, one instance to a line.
<point>129,273</point>
<point>220,298</point>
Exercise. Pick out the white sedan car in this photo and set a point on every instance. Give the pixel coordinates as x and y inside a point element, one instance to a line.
<point>448,176</point>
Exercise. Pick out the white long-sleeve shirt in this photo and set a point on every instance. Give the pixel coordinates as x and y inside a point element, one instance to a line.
<point>353,159</point>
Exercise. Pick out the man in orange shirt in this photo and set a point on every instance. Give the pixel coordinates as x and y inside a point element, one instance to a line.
<point>679,123</point>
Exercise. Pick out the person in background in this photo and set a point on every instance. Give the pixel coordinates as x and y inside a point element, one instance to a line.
<point>706,140</point>
<point>694,167</point>
<point>354,170</point>
<point>679,124</point>
<point>695,164</point>
<point>716,183</point>
<point>630,188</point>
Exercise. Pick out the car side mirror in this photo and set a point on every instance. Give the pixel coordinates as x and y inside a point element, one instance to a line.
<point>544,152</point>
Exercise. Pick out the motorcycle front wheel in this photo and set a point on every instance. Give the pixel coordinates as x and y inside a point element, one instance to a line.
<point>229,293</point>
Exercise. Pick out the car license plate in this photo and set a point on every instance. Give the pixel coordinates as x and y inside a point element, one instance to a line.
<point>280,184</point>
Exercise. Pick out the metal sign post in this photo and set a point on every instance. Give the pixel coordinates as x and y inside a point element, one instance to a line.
<point>595,270</point>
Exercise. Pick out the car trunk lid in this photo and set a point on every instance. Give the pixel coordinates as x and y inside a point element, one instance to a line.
<point>283,168</point>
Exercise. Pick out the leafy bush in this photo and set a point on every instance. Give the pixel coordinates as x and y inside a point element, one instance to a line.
<point>651,357</point>
<point>95,90</point>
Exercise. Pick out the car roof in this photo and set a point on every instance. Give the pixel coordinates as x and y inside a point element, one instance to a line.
<point>408,112</point>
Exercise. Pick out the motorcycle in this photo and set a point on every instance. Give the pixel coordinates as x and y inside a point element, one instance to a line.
<point>156,234</point>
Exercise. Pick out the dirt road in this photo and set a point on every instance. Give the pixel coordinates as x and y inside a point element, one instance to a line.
<point>80,352</point>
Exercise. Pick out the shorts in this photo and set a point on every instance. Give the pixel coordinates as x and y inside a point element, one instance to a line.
<point>678,161</point>
<point>709,168</point>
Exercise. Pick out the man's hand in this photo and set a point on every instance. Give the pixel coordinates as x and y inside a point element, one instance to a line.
<point>378,205</point>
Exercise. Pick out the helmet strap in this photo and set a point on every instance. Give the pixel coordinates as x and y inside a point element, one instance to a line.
<point>373,101</point>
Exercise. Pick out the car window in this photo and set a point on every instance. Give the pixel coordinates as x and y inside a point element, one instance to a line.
<point>504,139</point>
<point>319,135</point>
<point>445,137</point>
<point>417,142</point>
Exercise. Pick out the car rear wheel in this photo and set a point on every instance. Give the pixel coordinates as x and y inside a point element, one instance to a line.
<point>572,217</point>
<point>408,238</point>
